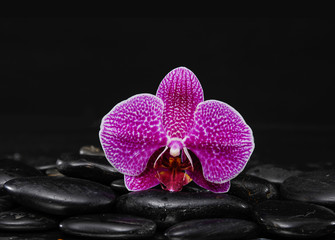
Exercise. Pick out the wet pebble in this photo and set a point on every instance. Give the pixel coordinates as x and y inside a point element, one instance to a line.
<point>10,169</point>
<point>23,220</point>
<point>40,162</point>
<point>213,229</point>
<point>253,189</point>
<point>315,187</point>
<point>294,219</point>
<point>40,235</point>
<point>91,151</point>
<point>95,168</point>
<point>111,226</point>
<point>6,203</point>
<point>192,187</point>
<point>60,195</point>
<point>119,186</point>
<point>168,208</point>
<point>272,173</point>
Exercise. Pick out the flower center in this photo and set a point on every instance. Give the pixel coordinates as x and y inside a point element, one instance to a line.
<point>171,172</point>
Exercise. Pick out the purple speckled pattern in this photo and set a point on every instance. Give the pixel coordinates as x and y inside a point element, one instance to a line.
<point>181,92</point>
<point>221,140</point>
<point>137,130</point>
<point>131,132</point>
<point>146,179</point>
<point>198,177</point>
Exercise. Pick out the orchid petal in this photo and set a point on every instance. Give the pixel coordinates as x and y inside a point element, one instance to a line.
<point>199,179</point>
<point>221,140</point>
<point>147,179</point>
<point>132,131</point>
<point>181,92</point>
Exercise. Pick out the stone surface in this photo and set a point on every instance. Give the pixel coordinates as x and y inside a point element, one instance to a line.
<point>10,169</point>
<point>315,187</point>
<point>111,226</point>
<point>95,168</point>
<point>119,186</point>
<point>253,189</point>
<point>212,229</point>
<point>91,151</point>
<point>168,208</point>
<point>272,173</point>
<point>53,172</point>
<point>40,162</point>
<point>23,220</point>
<point>61,195</point>
<point>193,187</point>
<point>44,235</point>
<point>294,219</point>
<point>6,203</point>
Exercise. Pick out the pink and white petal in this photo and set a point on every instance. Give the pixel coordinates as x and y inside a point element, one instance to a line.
<point>145,180</point>
<point>181,92</point>
<point>199,179</point>
<point>221,140</point>
<point>132,131</point>
<point>141,182</point>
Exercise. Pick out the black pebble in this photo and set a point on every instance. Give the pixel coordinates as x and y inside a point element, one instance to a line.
<point>272,173</point>
<point>119,186</point>
<point>111,226</point>
<point>315,187</point>
<point>168,208</point>
<point>23,220</point>
<point>40,162</point>
<point>95,168</point>
<point>61,195</point>
<point>43,235</point>
<point>212,229</point>
<point>192,187</point>
<point>6,203</point>
<point>253,189</point>
<point>295,219</point>
<point>10,169</point>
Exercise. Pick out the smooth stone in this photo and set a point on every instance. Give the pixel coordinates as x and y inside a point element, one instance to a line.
<point>95,168</point>
<point>40,162</point>
<point>44,235</point>
<point>6,203</point>
<point>272,173</point>
<point>91,151</point>
<point>212,229</point>
<point>23,220</point>
<point>294,219</point>
<point>253,189</point>
<point>192,187</point>
<point>10,169</point>
<point>53,172</point>
<point>111,226</point>
<point>119,186</point>
<point>61,195</point>
<point>168,208</point>
<point>314,187</point>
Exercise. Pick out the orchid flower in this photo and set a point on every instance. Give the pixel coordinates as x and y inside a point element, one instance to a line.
<point>176,137</point>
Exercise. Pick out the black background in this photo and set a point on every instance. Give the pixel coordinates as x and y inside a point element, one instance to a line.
<point>60,76</point>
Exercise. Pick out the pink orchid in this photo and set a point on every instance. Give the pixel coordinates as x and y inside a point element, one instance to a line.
<point>176,137</point>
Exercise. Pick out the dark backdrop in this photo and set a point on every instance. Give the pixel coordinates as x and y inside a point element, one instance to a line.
<point>59,76</point>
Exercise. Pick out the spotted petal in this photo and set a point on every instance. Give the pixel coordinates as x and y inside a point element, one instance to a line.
<point>145,180</point>
<point>181,92</point>
<point>221,140</point>
<point>198,177</point>
<point>132,131</point>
